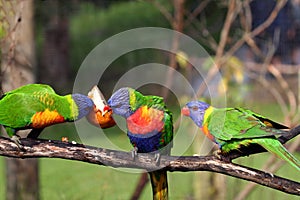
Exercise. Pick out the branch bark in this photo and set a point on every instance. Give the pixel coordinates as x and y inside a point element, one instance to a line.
<point>56,149</point>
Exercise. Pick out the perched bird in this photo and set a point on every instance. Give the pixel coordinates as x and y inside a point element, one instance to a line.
<point>150,129</point>
<point>102,113</point>
<point>36,106</point>
<point>232,128</point>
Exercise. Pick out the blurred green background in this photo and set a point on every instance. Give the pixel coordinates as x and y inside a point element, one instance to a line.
<point>261,74</point>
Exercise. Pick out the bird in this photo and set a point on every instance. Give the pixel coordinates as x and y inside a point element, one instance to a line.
<point>101,116</point>
<point>234,128</point>
<point>36,106</point>
<point>149,129</point>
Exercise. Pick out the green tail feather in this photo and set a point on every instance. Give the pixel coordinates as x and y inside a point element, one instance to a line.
<point>159,184</point>
<point>275,147</point>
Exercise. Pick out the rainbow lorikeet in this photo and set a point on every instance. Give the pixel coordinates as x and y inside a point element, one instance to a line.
<point>232,128</point>
<point>150,129</point>
<point>36,106</point>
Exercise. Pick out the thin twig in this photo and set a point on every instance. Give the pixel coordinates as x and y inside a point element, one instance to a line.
<point>285,86</point>
<point>177,25</point>
<point>162,10</point>
<point>233,9</point>
<point>192,15</point>
<point>279,5</point>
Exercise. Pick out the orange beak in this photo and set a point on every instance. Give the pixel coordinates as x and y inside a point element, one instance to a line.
<point>96,118</point>
<point>185,111</point>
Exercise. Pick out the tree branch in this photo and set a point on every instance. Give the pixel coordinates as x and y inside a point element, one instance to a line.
<point>56,149</point>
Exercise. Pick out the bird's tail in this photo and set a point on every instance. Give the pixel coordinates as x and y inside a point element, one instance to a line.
<point>275,147</point>
<point>159,183</point>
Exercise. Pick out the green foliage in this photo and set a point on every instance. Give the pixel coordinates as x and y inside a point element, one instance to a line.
<point>91,25</point>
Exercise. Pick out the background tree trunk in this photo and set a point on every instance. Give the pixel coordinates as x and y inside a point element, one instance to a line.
<point>17,69</point>
<point>55,64</point>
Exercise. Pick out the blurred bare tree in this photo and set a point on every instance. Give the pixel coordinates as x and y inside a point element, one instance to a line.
<point>224,27</point>
<point>17,69</point>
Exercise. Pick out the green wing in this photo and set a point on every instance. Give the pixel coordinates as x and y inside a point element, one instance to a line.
<point>235,123</point>
<point>167,134</point>
<point>168,130</point>
<point>17,109</point>
<point>263,119</point>
<point>19,105</point>
<point>155,102</point>
<point>32,88</point>
<point>137,100</point>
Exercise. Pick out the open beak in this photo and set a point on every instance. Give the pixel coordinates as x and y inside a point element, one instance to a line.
<point>185,111</point>
<point>102,113</point>
<point>97,118</point>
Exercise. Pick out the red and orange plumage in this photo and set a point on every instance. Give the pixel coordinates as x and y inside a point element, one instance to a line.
<point>45,118</point>
<point>145,120</point>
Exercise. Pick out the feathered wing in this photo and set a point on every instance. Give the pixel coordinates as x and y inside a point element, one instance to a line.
<point>275,147</point>
<point>31,89</point>
<point>266,121</point>
<point>24,100</point>
<point>20,108</point>
<point>233,123</point>
<point>167,133</point>
<point>234,127</point>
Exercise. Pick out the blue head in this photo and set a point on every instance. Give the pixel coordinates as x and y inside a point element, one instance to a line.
<point>196,111</point>
<point>120,102</point>
<point>84,104</point>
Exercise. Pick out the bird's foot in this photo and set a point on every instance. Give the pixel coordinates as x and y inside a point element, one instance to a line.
<point>218,153</point>
<point>221,155</point>
<point>16,140</point>
<point>134,153</point>
<point>272,175</point>
<point>157,157</point>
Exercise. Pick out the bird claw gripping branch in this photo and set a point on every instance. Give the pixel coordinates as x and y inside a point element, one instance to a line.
<point>16,140</point>
<point>157,157</point>
<point>134,153</point>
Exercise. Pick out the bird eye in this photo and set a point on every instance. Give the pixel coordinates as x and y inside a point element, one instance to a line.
<point>117,106</point>
<point>194,108</point>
